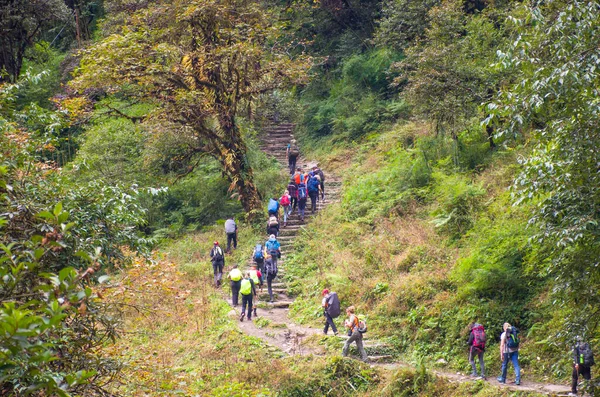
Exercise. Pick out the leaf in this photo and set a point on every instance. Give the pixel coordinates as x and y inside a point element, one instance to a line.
<point>58,209</point>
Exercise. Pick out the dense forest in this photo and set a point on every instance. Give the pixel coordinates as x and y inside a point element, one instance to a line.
<point>465,133</point>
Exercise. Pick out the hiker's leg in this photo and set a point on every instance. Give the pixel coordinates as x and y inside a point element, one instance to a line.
<point>215,272</point>
<point>228,242</point>
<point>472,361</point>
<point>481,364</point>
<point>347,345</point>
<point>586,372</point>
<point>244,303</point>
<point>235,291</point>
<point>326,322</point>
<point>220,273</point>
<point>234,236</point>
<point>322,190</point>
<point>269,287</point>
<point>514,356</point>
<point>250,305</point>
<point>574,379</point>
<point>361,348</point>
<point>504,366</point>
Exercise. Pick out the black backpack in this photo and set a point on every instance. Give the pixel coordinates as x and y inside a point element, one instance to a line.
<point>512,338</point>
<point>333,305</point>
<point>217,254</point>
<point>294,151</point>
<point>586,357</point>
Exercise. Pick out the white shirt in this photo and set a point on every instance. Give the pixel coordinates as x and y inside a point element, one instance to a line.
<point>505,348</point>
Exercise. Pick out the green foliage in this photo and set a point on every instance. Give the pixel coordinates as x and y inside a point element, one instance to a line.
<point>459,202</point>
<point>403,22</point>
<point>353,104</point>
<point>554,59</point>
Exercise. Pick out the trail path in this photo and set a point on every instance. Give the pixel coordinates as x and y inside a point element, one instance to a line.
<point>273,324</point>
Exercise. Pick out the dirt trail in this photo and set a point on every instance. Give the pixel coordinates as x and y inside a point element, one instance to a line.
<point>273,324</point>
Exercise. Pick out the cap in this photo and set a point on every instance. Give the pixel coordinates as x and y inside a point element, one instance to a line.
<point>272,236</point>
<point>325,292</point>
<point>216,243</point>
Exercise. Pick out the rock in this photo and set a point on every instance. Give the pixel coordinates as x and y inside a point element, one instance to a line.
<point>441,361</point>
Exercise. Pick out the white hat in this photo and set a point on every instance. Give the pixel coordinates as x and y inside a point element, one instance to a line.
<point>272,236</point>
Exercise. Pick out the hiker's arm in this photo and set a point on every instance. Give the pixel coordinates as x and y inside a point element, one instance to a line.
<point>470,341</point>
<point>576,356</point>
<point>502,341</point>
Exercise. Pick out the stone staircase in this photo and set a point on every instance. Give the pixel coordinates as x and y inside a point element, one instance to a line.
<point>274,142</point>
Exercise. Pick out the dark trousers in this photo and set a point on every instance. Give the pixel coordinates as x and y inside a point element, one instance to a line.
<point>584,371</point>
<point>329,322</point>
<point>218,272</point>
<point>292,164</point>
<point>270,278</point>
<point>313,200</point>
<point>301,207</point>
<point>475,352</point>
<point>231,237</point>
<point>294,202</point>
<point>322,190</point>
<point>247,300</point>
<point>235,291</point>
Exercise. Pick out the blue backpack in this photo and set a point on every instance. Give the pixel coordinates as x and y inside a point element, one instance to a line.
<point>302,191</point>
<point>258,252</point>
<point>273,205</point>
<point>313,185</point>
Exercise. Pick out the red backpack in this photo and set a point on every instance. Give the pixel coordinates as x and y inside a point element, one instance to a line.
<point>285,200</point>
<point>479,337</point>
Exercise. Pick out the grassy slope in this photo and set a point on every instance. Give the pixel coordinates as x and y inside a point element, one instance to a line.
<point>424,259</point>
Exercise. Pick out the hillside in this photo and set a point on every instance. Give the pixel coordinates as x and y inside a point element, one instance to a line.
<point>459,144</point>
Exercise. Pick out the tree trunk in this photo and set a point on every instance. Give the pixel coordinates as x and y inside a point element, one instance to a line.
<point>236,167</point>
<point>490,133</point>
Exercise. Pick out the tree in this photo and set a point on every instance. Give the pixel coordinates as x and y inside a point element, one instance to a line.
<point>448,73</point>
<point>554,55</point>
<point>201,63</point>
<point>22,22</point>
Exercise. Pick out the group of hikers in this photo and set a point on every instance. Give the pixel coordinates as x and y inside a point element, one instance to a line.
<point>583,358</point>
<point>304,185</point>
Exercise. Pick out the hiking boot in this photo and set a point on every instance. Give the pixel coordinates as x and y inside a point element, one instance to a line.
<point>242,316</point>
<point>255,315</point>
<point>474,375</point>
<point>518,382</point>
<point>572,394</point>
<point>500,380</point>
<point>482,378</point>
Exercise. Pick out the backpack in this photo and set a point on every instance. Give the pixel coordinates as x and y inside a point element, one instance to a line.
<point>217,254</point>
<point>586,357</point>
<point>293,189</point>
<point>313,185</point>
<point>302,191</point>
<point>254,276</point>
<point>512,338</point>
<point>258,252</point>
<point>273,206</point>
<point>321,175</point>
<point>271,268</point>
<point>479,337</point>
<point>246,287</point>
<point>299,178</point>
<point>362,325</point>
<point>285,200</point>
<point>273,221</point>
<point>333,305</point>
<point>294,151</point>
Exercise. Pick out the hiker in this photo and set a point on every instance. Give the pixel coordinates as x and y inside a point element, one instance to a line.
<point>231,232</point>
<point>273,225</point>
<point>331,310</point>
<point>292,152</point>
<point>509,350</point>
<point>273,207</point>
<point>354,334</point>
<point>285,201</point>
<point>218,261</point>
<point>476,344</point>
<point>270,273</point>
<point>258,256</point>
<point>302,196</point>
<point>235,277</point>
<point>317,171</point>
<point>583,359</point>
<point>248,291</point>
<point>314,188</point>
<point>298,177</point>
<point>272,246</point>
<point>292,189</point>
